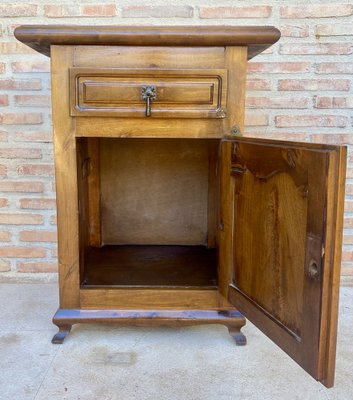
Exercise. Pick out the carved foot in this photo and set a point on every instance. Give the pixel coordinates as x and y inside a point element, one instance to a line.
<point>237,335</point>
<point>59,338</point>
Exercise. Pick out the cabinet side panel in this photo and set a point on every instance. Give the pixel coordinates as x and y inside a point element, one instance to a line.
<point>66,178</point>
<point>93,188</point>
<point>235,62</point>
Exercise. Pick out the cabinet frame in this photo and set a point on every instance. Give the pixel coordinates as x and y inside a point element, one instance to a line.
<point>204,48</point>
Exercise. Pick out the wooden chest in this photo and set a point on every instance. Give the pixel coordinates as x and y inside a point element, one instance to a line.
<point>166,215</point>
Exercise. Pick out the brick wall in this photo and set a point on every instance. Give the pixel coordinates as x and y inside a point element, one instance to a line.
<point>300,89</point>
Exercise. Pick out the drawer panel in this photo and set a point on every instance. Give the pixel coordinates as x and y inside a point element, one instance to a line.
<point>119,92</point>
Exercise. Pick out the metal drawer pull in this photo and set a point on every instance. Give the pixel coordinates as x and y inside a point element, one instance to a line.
<point>148,93</point>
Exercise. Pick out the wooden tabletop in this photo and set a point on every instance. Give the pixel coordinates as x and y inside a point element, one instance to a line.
<point>41,37</point>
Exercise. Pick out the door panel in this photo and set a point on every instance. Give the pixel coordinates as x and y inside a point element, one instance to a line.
<point>287,222</point>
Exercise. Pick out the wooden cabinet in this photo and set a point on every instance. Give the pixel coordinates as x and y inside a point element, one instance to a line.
<point>166,215</point>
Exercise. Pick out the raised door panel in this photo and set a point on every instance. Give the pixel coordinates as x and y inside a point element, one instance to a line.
<point>287,224</point>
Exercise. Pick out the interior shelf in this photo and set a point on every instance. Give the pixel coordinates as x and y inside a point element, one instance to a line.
<point>150,266</point>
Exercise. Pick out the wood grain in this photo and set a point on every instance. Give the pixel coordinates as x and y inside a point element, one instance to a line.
<point>234,321</point>
<point>149,57</point>
<point>332,257</point>
<point>235,62</point>
<point>125,298</point>
<point>283,230</point>
<point>154,191</point>
<point>180,93</point>
<point>41,37</point>
<point>66,179</point>
<point>150,128</point>
<point>151,266</point>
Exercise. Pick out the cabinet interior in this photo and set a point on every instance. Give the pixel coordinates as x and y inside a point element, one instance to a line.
<point>148,212</point>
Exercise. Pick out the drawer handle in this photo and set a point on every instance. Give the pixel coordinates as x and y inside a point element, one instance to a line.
<point>148,93</point>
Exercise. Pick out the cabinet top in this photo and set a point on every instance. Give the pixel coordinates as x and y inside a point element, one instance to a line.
<point>41,37</point>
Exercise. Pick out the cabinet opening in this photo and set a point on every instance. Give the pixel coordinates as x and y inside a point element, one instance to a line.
<point>148,212</point>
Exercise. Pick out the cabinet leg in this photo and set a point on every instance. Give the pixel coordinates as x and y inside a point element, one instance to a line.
<point>59,337</point>
<point>237,335</point>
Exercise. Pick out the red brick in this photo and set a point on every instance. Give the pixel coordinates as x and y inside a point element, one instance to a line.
<point>347,270</point>
<point>58,11</point>
<point>23,187</point>
<point>348,223</point>
<point>36,169</point>
<point>20,118</point>
<point>294,31</point>
<point>20,153</point>
<point>98,10</point>
<point>334,30</point>
<point>348,206</point>
<point>258,84</point>
<point>3,202</point>
<point>333,102</point>
<point>347,256</point>
<point>236,12</point>
<point>3,169</point>
<point>278,67</point>
<point>314,84</point>
<point>316,11</point>
<point>277,102</point>
<point>335,68</point>
<point>4,100</point>
<point>5,266</point>
<point>22,252</point>
<point>349,188</point>
<point>332,138</point>
<point>256,119</point>
<point>316,48</point>
<point>54,252</point>
<point>30,66</point>
<point>38,204</point>
<point>38,236</point>
<point>348,239</point>
<point>5,236</point>
<point>21,219</point>
<point>13,153</point>
<point>53,220</point>
<point>169,11</point>
<point>15,48</point>
<point>3,136</point>
<point>33,100</point>
<point>20,84</point>
<point>34,267</point>
<point>18,10</point>
<point>33,136</point>
<point>329,121</point>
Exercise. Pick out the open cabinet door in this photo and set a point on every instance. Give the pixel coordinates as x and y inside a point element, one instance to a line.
<point>286,233</point>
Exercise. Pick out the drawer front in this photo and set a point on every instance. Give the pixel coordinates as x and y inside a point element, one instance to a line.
<point>189,93</point>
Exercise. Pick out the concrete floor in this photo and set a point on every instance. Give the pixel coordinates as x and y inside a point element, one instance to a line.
<point>109,363</point>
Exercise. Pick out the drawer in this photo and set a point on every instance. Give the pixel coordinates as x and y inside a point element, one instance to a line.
<point>171,93</point>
